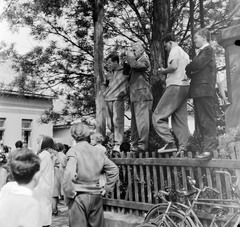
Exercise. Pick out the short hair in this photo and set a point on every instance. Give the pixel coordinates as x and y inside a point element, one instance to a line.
<point>113,57</point>
<point>59,147</point>
<point>5,148</point>
<point>23,165</point>
<point>98,137</point>
<point>19,144</point>
<point>204,32</point>
<point>47,142</point>
<point>66,148</point>
<point>3,158</point>
<point>237,42</point>
<point>79,131</point>
<point>168,37</point>
<point>125,146</point>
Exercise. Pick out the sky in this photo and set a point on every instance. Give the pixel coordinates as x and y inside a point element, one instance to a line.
<point>21,39</point>
<point>23,43</point>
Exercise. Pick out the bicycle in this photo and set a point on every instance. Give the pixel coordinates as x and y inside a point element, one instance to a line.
<point>170,214</point>
<point>220,211</point>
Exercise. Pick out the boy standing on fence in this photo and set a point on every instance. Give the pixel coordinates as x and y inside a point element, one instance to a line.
<point>114,95</point>
<point>174,100</point>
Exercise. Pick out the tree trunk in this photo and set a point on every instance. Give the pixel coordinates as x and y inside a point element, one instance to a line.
<point>160,26</point>
<point>201,13</point>
<point>192,52</point>
<point>159,29</point>
<point>98,15</point>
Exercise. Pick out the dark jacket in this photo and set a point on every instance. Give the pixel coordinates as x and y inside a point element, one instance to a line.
<point>202,72</point>
<point>140,89</point>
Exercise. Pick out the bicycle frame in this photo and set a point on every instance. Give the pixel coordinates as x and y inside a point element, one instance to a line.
<point>185,212</point>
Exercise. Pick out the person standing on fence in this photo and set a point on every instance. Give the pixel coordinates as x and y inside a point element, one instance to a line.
<point>174,100</point>
<point>202,72</point>
<point>140,96</point>
<point>83,194</point>
<point>114,95</point>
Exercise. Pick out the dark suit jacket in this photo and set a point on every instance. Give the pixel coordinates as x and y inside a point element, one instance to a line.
<point>202,72</point>
<point>139,82</point>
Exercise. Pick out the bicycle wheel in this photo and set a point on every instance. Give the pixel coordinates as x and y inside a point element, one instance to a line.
<point>155,212</point>
<point>172,219</point>
<point>214,224</point>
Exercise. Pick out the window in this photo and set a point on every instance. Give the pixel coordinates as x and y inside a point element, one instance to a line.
<point>26,131</point>
<point>2,128</point>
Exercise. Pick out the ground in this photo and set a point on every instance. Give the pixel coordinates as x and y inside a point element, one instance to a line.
<point>61,220</point>
<point>111,219</point>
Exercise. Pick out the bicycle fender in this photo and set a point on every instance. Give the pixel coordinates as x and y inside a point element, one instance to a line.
<point>163,206</point>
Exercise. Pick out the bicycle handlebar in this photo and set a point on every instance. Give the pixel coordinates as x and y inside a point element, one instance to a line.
<point>161,193</point>
<point>192,182</point>
<point>214,190</point>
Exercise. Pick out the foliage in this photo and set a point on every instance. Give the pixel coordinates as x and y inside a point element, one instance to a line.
<point>64,64</point>
<point>226,139</point>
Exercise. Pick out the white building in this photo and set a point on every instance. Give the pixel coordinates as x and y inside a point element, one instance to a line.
<point>61,134</point>
<point>20,118</point>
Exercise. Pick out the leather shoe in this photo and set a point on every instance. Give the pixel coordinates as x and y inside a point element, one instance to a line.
<point>204,155</point>
<point>137,150</point>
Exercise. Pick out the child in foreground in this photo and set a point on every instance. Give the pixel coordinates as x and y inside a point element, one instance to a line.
<point>18,207</point>
<point>97,140</point>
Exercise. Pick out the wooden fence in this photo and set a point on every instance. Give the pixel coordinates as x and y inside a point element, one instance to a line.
<point>141,178</point>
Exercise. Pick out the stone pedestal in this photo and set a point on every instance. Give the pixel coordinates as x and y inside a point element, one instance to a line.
<point>227,39</point>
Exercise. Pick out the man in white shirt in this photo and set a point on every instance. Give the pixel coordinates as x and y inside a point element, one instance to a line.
<point>174,100</point>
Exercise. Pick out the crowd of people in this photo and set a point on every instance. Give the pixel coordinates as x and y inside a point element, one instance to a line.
<point>33,182</point>
<point>128,76</point>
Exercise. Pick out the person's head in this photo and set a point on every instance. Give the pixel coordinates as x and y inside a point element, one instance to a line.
<point>25,145</point>
<point>168,41</point>
<point>23,166</point>
<point>3,159</point>
<point>19,144</point>
<point>5,149</point>
<point>137,49</point>
<point>125,146</point>
<point>45,142</point>
<point>112,61</point>
<point>96,138</point>
<point>59,147</point>
<point>202,37</point>
<point>80,132</point>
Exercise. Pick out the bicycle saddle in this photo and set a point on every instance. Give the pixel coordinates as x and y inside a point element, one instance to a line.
<point>218,209</point>
<point>186,192</point>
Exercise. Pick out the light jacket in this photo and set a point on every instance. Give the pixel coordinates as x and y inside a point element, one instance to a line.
<point>84,166</point>
<point>117,87</point>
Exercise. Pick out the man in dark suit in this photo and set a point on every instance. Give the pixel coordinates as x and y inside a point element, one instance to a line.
<point>202,72</point>
<point>140,96</point>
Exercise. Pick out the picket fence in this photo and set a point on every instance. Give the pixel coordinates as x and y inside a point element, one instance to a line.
<point>142,177</point>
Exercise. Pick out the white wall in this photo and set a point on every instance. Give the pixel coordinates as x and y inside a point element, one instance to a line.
<point>16,108</point>
<point>62,135</point>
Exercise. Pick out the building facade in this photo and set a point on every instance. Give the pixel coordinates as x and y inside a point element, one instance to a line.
<point>20,118</point>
